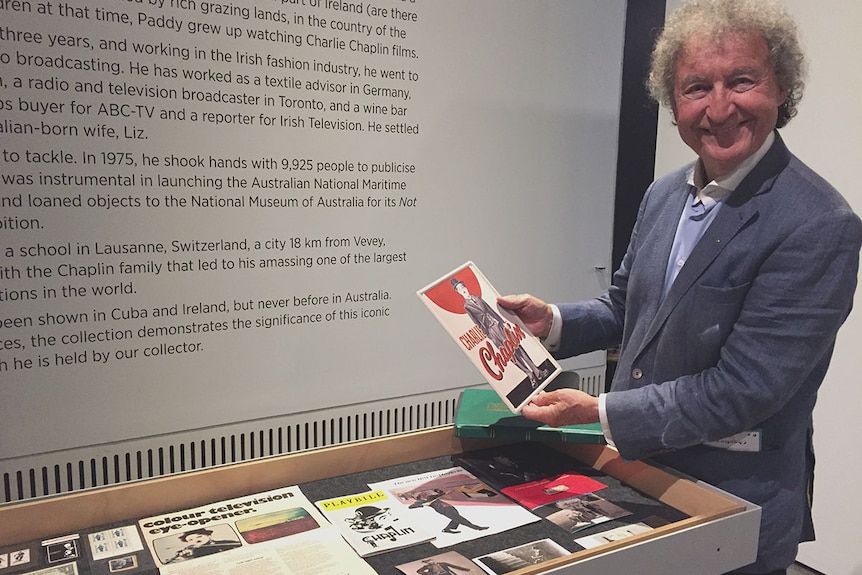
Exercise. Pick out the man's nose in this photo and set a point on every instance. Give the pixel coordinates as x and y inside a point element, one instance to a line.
<point>721,104</point>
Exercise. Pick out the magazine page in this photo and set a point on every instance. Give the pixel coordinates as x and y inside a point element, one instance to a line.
<point>65,569</point>
<point>372,522</point>
<point>456,505</point>
<point>509,357</point>
<point>265,528</point>
<point>320,551</point>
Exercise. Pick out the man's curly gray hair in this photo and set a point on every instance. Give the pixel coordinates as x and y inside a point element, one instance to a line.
<point>716,18</point>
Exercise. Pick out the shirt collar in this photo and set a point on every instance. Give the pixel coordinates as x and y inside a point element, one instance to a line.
<point>720,188</point>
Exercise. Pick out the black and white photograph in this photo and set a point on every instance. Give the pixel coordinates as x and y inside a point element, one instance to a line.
<point>576,513</point>
<point>612,535</point>
<point>521,556</point>
<point>125,563</point>
<point>449,563</point>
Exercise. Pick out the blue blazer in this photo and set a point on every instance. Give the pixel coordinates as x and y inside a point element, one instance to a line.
<point>742,340</point>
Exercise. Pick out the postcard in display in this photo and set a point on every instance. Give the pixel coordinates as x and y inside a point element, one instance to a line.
<point>512,360</point>
<point>578,513</point>
<point>372,522</point>
<point>611,535</point>
<point>119,549</point>
<point>449,563</point>
<point>61,555</point>
<point>65,569</point>
<point>455,505</point>
<point>521,556</point>
<point>272,530</point>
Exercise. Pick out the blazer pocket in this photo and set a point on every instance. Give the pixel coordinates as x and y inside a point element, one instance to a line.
<point>713,314</point>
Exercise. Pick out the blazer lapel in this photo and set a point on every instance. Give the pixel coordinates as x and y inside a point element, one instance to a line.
<point>655,249</point>
<point>737,211</point>
<point>720,233</point>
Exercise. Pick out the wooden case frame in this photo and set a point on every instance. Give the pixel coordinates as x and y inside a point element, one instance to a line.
<point>719,535</point>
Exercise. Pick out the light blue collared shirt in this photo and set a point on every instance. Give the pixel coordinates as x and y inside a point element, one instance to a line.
<point>702,206</point>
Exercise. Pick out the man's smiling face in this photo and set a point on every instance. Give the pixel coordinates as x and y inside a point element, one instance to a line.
<point>726,99</point>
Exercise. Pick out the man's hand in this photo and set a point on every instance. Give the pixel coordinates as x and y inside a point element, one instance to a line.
<point>563,407</point>
<point>535,313</point>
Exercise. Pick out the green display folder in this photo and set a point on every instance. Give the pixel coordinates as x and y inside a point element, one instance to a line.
<point>482,414</point>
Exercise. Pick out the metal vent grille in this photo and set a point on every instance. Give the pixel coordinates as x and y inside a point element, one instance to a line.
<point>592,382</point>
<point>108,464</point>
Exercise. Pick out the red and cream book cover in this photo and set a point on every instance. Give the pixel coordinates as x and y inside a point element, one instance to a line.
<point>512,360</point>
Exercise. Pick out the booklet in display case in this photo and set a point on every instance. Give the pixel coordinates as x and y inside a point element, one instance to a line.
<point>512,360</point>
<point>481,413</point>
<point>373,522</point>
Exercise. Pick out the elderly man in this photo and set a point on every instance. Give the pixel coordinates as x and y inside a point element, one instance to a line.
<point>739,272</point>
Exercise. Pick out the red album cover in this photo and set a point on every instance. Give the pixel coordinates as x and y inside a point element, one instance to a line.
<point>544,491</point>
<point>512,360</point>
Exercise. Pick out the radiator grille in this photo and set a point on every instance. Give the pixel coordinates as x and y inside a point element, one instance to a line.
<point>108,464</point>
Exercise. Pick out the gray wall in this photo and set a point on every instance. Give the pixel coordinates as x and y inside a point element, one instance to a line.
<point>508,116</point>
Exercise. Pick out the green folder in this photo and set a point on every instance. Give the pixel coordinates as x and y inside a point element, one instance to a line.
<point>482,414</point>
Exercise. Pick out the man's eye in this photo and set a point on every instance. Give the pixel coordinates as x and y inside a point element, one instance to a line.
<point>742,84</point>
<point>694,91</point>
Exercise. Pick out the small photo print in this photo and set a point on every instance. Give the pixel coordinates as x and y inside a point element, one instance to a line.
<point>578,513</point>
<point>20,557</point>
<point>612,535</point>
<point>450,563</point>
<point>119,564</point>
<point>115,541</point>
<point>519,557</point>
<point>59,551</point>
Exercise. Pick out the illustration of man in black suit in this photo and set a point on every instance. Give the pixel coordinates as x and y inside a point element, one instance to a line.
<point>493,326</point>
